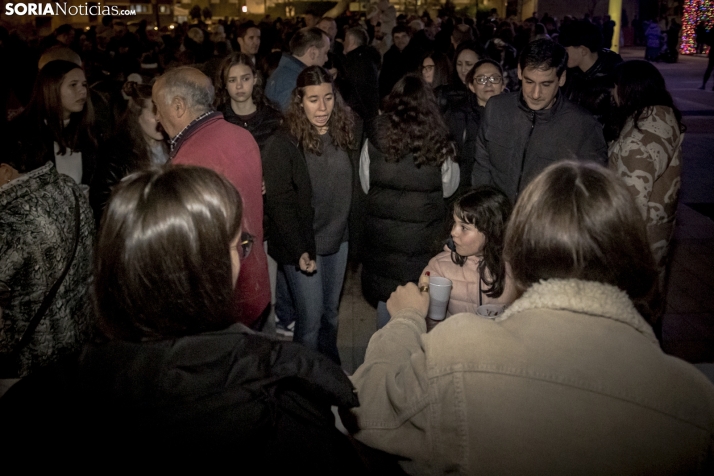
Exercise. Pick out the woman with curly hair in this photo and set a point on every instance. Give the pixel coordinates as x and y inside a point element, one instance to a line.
<point>406,170</point>
<point>239,96</point>
<point>308,183</point>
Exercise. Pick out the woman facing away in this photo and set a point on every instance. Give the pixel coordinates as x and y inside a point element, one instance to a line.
<point>57,125</point>
<point>239,96</point>
<point>176,380</point>
<point>647,153</point>
<point>473,260</point>
<point>571,374</point>
<point>407,168</point>
<point>138,143</point>
<point>308,191</point>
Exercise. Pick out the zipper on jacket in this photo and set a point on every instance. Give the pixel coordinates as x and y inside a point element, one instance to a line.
<point>525,151</point>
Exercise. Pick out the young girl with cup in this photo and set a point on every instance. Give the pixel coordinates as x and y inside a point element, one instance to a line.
<point>473,257</point>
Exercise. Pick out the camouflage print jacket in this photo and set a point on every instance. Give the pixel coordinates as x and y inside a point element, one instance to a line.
<point>649,160</point>
<point>36,232</point>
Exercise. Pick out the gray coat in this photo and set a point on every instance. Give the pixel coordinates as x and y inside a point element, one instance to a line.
<point>36,231</point>
<point>514,143</point>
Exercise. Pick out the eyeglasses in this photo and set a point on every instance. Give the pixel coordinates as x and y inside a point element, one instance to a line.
<point>427,68</point>
<point>488,79</point>
<point>246,244</point>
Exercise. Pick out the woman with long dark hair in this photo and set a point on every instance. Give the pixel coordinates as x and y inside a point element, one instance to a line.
<point>453,94</point>
<point>239,96</point>
<point>138,143</point>
<point>57,125</point>
<point>647,153</point>
<point>308,190</point>
<point>406,170</point>
<point>174,378</point>
<point>436,69</point>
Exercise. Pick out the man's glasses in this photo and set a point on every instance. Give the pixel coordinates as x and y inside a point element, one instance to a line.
<point>246,244</point>
<point>488,79</point>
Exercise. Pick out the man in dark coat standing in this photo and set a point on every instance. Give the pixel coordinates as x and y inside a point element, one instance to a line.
<point>361,84</point>
<point>399,60</point>
<point>524,132</point>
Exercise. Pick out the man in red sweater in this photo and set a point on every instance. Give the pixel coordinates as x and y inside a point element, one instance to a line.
<point>200,136</point>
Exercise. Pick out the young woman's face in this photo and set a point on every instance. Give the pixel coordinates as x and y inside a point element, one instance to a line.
<point>487,90</point>
<point>427,70</point>
<point>465,61</point>
<point>240,83</point>
<point>149,124</point>
<point>467,239</point>
<point>318,103</point>
<point>73,92</point>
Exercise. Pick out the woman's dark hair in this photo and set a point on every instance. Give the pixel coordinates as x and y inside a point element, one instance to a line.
<point>442,68</point>
<point>340,124</point>
<point>640,87</point>
<point>415,124</point>
<point>221,81</point>
<point>472,72</point>
<point>45,110</point>
<point>577,220</point>
<point>488,209</point>
<point>161,231</point>
<point>139,99</point>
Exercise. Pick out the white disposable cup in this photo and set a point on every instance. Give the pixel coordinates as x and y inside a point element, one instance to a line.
<point>439,292</point>
<point>492,311</point>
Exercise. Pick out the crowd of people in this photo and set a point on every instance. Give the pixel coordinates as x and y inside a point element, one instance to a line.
<point>172,200</point>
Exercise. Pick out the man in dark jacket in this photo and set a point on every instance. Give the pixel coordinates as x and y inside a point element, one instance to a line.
<point>399,60</point>
<point>590,68</point>
<point>522,133</point>
<point>361,85</point>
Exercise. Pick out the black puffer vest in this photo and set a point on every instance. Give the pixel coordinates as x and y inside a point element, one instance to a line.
<point>404,223</point>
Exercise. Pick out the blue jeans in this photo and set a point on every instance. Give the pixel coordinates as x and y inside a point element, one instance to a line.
<point>317,300</point>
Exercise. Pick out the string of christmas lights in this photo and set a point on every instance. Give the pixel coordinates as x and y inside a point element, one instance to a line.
<point>694,12</point>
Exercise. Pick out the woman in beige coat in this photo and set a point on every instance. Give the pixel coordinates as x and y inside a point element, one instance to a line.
<point>569,380</point>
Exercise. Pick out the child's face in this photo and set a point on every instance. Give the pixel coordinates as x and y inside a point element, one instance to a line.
<point>467,239</point>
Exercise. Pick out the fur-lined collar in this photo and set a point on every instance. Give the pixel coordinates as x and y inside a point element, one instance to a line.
<point>587,297</point>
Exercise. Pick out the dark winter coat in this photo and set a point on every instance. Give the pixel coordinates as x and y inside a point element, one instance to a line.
<point>262,125</point>
<point>463,121</point>
<point>220,397</point>
<point>592,89</point>
<point>515,143</point>
<point>360,87</point>
<point>404,222</point>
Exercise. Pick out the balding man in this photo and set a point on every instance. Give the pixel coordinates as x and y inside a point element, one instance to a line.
<point>200,136</point>
<point>308,47</point>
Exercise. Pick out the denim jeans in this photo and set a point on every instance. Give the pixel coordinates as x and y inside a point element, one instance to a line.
<point>317,300</point>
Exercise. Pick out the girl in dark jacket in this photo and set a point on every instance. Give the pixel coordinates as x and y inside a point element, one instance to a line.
<point>239,96</point>
<point>138,144</point>
<point>308,184</point>
<point>57,125</point>
<point>407,169</point>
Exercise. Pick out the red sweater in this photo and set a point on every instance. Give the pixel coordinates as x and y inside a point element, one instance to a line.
<point>231,151</point>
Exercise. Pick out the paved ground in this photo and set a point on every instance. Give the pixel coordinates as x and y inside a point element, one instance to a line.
<point>689,323</point>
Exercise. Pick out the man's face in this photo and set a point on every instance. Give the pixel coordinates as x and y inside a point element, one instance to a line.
<point>575,55</point>
<point>321,56</point>
<point>163,110</point>
<point>250,43</point>
<point>329,27</point>
<point>401,40</point>
<point>540,87</point>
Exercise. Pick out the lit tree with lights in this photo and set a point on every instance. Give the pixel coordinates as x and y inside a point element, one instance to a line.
<point>694,12</point>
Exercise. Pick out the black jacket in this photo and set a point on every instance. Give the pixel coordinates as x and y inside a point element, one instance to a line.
<point>23,142</point>
<point>220,397</point>
<point>404,219</point>
<point>395,65</point>
<point>463,121</point>
<point>261,126</point>
<point>592,89</point>
<point>515,143</point>
<point>360,87</point>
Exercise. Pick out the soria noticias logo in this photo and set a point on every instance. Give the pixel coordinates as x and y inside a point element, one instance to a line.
<point>50,9</point>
